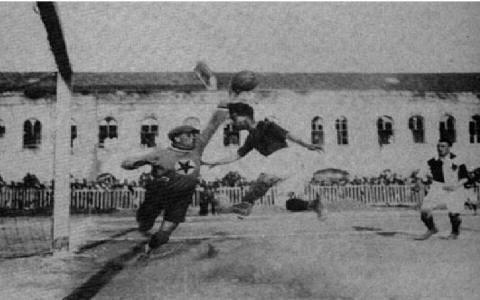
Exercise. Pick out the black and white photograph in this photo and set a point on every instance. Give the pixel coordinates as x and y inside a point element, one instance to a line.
<point>239,150</point>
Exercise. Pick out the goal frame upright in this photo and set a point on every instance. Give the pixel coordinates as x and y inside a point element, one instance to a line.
<point>49,14</point>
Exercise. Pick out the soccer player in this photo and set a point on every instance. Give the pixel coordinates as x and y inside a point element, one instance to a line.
<point>282,164</point>
<point>175,173</point>
<point>449,176</point>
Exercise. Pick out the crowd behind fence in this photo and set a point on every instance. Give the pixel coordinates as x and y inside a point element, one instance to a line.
<point>107,193</point>
<point>89,200</point>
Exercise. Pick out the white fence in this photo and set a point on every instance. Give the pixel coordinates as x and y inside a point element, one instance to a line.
<point>85,199</point>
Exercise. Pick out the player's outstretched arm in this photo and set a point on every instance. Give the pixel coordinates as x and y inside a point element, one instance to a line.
<point>223,161</point>
<point>219,116</point>
<point>134,162</point>
<point>302,143</point>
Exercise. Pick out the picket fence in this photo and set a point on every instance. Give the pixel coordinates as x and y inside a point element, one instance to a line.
<point>103,200</point>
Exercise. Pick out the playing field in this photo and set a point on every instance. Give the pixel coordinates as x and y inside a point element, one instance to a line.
<point>368,254</point>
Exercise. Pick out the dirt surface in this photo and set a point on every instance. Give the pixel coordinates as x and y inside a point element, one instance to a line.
<point>367,254</point>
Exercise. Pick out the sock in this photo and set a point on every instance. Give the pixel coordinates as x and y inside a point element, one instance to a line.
<point>455,220</point>
<point>427,219</point>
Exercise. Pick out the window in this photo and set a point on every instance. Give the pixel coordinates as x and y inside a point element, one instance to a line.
<point>385,130</point>
<point>148,132</point>
<point>231,135</point>
<point>32,134</point>
<point>317,131</point>
<point>416,125</point>
<point>447,128</point>
<point>2,129</point>
<point>107,129</point>
<point>342,131</point>
<point>73,133</point>
<point>474,129</point>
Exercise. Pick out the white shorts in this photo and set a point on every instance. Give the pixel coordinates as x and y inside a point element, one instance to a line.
<point>438,198</point>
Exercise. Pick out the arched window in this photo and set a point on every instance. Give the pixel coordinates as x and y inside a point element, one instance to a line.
<point>192,121</point>
<point>73,132</point>
<point>447,128</point>
<point>32,134</point>
<point>231,135</point>
<point>2,129</point>
<point>342,131</point>
<point>148,132</point>
<point>107,129</point>
<point>474,129</point>
<point>417,125</point>
<point>385,130</point>
<point>317,131</point>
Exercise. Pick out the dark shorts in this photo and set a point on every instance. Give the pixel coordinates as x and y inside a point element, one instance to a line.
<point>173,204</point>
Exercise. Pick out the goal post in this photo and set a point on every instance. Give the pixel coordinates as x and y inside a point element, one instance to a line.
<point>61,202</point>
<point>62,193</point>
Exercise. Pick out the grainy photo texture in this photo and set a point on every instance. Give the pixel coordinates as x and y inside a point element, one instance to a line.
<point>239,150</point>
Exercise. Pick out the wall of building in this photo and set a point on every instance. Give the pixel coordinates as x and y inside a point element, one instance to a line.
<point>293,110</point>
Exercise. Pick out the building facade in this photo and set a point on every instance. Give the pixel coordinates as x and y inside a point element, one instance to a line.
<point>364,127</point>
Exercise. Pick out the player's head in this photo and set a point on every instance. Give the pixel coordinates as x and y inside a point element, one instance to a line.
<point>443,147</point>
<point>241,114</point>
<point>243,81</point>
<point>183,137</point>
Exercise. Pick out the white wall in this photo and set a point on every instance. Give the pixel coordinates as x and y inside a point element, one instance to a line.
<point>362,156</point>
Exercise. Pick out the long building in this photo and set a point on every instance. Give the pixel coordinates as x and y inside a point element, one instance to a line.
<point>366,122</point>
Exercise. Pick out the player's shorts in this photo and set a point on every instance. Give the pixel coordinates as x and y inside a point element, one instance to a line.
<point>173,204</point>
<point>438,198</point>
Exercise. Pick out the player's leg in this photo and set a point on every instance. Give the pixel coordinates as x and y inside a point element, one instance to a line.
<point>300,172</point>
<point>175,212</point>
<point>455,201</point>
<point>148,211</point>
<point>430,202</point>
<point>162,235</point>
<point>260,187</point>
<point>256,191</point>
<point>265,167</point>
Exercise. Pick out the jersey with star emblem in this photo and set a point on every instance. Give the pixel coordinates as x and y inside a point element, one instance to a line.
<point>175,170</point>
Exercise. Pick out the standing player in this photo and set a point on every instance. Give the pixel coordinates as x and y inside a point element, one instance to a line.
<point>448,176</point>
<point>175,172</point>
<point>282,163</point>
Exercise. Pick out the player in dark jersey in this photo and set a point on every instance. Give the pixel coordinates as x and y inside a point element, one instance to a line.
<point>174,177</point>
<point>449,174</point>
<point>281,164</point>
